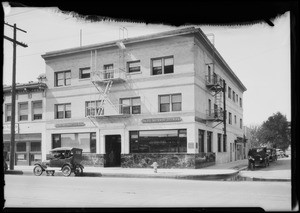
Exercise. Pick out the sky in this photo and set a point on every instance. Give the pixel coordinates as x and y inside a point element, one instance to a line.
<point>257,53</point>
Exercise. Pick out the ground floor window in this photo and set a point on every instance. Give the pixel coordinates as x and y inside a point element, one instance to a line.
<point>158,141</point>
<point>85,141</point>
<point>201,140</point>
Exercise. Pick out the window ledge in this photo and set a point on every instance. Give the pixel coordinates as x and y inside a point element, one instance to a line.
<point>84,79</point>
<point>134,73</point>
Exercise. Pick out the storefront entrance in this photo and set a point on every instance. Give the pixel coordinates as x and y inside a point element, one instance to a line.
<point>113,150</point>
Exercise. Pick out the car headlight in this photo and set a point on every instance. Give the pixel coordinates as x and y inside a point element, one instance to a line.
<point>260,158</point>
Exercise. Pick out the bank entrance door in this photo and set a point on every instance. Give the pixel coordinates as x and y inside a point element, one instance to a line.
<point>112,150</point>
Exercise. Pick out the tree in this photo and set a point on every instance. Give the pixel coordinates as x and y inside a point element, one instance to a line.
<point>253,139</point>
<point>275,131</point>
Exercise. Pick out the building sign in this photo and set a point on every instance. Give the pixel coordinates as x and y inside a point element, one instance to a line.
<point>70,124</point>
<point>161,120</point>
<point>200,120</point>
<point>6,128</point>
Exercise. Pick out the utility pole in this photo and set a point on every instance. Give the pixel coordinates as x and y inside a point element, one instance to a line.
<point>13,94</point>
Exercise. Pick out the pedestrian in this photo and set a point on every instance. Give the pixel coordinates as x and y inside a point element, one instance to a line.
<point>154,165</point>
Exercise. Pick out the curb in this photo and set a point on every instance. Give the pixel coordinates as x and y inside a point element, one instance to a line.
<point>129,175</point>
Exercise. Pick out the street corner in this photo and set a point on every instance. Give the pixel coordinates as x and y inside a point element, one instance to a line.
<point>266,175</point>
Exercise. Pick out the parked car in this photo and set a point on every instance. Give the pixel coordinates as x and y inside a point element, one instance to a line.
<point>279,153</point>
<point>5,166</point>
<point>258,157</point>
<point>272,154</point>
<point>63,159</point>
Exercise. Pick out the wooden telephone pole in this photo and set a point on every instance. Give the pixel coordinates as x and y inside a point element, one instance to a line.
<point>13,93</point>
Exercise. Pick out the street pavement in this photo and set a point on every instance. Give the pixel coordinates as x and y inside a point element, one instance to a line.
<point>280,171</point>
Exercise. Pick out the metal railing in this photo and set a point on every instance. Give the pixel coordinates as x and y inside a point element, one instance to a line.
<point>214,114</point>
<point>109,74</point>
<point>214,79</point>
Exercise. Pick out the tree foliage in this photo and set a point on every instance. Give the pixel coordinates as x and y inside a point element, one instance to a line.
<point>275,131</point>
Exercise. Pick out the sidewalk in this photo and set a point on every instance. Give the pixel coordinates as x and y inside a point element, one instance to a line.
<point>222,171</point>
<point>215,172</point>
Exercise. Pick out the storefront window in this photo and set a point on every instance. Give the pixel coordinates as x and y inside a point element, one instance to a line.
<point>21,147</point>
<point>35,147</point>
<point>85,141</point>
<point>158,141</point>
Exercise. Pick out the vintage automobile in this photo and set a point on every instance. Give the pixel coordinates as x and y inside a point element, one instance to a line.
<point>258,157</point>
<point>5,166</point>
<point>272,154</point>
<point>279,153</point>
<point>65,159</point>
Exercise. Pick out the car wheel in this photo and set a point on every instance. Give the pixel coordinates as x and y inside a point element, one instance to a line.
<point>251,166</point>
<point>38,170</point>
<point>78,171</point>
<point>265,163</point>
<point>66,170</point>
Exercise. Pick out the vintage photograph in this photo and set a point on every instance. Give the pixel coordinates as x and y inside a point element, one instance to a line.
<point>103,113</point>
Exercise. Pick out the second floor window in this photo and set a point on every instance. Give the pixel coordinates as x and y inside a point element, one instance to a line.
<point>131,106</point>
<point>241,104</point>
<point>92,108</point>
<point>62,78</point>
<point>134,66</point>
<point>84,72</point>
<point>23,111</point>
<point>230,118</point>
<point>241,123</point>
<point>169,103</point>
<point>233,96</point>
<point>37,110</point>
<point>8,112</point>
<point>62,111</point>
<point>162,65</point>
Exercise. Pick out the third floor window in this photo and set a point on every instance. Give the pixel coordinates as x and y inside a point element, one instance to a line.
<point>62,78</point>
<point>162,65</point>
<point>84,72</point>
<point>133,66</point>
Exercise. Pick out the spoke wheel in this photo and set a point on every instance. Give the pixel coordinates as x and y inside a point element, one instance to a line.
<point>78,171</point>
<point>66,170</point>
<point>38,170</point>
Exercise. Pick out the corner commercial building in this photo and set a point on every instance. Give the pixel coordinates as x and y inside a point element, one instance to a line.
<point>151,98</point>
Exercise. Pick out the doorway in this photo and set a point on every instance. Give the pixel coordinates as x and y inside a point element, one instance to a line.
<point>112,150</point>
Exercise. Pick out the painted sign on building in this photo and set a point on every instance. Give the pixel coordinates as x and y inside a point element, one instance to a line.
<point>70,124</point>
<point>6,128</point>
<point>161,120</point>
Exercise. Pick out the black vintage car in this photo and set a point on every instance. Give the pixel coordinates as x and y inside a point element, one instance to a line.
<point>258,157</point>
<point>63,159</point>
<point>272,154</point>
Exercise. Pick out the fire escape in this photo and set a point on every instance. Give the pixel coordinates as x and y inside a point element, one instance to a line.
<point>214,84</point>
<point>103,80</point>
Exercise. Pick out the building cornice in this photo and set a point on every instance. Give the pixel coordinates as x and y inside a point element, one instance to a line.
<point>190,30</point>
<point>28,87</point>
